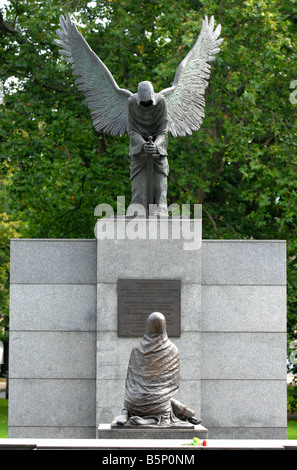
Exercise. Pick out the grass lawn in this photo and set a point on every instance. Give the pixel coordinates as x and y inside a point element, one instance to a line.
<point>3,418</point>
<point>292,424</point>
<point>292,429</point>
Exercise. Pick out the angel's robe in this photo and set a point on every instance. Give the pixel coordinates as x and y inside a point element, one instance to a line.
<point>143,122</point>
<point>153,374</point>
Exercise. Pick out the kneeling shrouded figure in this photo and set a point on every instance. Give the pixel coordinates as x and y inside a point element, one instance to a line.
<point>152,381</point>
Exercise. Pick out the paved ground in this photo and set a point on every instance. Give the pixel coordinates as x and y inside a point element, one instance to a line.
<point>143,444</point>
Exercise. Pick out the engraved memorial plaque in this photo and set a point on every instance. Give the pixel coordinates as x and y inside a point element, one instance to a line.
<point>138,298</point>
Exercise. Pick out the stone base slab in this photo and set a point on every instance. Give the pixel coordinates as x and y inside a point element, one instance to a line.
<point>105,431</point>
<point>143,445</point>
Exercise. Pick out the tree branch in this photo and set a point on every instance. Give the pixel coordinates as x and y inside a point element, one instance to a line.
<point>226,223</point>
<point>211,219</point>
<point>6,28</point>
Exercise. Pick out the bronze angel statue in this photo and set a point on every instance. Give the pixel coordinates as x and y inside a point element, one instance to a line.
<point>146,116</point>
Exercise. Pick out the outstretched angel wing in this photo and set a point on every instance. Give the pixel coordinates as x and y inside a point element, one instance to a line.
<point>185,98</point>
<point>106,100</point>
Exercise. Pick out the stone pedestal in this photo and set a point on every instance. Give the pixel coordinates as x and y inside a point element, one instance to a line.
<point>105,431</point>
<point>66,362</point>
<point>151,249</point>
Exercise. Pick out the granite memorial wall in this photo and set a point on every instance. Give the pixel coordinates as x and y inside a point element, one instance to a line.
<point>67,360</point>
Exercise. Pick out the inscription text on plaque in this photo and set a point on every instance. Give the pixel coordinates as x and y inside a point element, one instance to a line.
<point>138,298</point>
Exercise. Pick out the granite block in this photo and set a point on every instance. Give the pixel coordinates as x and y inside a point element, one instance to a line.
<point>244,403</point>
<point>53,261</point>
<point>52,432</point>
<point>189,347</point>
<point>244,356</point>
<point>52,354</point>
<point>191,314</point>
<point>53,307</point>
<point>244,262</point>
<point>107,307</point>
<point>106,432</point>
<point>109,400</point>
<point>52,402</point>
<point>147,259</point>
<point>248,433</point>
<point>243,308</point>
<point>113,355</point>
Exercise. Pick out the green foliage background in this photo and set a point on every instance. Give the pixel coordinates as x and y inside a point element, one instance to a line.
<point>241,165</point>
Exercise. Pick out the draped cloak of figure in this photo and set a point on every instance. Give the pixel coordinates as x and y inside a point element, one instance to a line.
<point>147,117</point>
<point>152,377</point>
<point>152,381</point>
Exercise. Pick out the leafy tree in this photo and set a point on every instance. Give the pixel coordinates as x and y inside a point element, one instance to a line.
<point>241,165</point>
<point>8,230</point>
